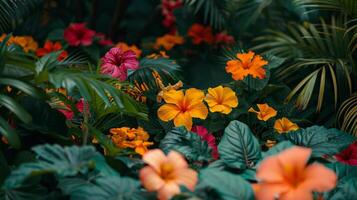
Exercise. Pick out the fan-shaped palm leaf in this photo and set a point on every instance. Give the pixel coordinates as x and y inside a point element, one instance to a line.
<point>348,7</point>
<point>313,50</point>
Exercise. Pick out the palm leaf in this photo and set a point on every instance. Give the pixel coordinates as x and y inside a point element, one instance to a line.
<point>13,12</point>
<point>347,115</point>
<point>168,70</point>
<point>325,48</point>
<point>214,11</point>
<point>348,7</point>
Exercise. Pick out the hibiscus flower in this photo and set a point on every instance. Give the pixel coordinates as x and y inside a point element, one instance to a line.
<point>78,34</point>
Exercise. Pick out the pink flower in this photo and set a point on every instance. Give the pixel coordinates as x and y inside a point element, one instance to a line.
<point>165,174</point>
<point>116,63</point>
<point>209,138</point>
<point>286,176</point>
<point>349,155</point>
<point>69,114</point>
<point>103,40</point>
<point>78,34</point>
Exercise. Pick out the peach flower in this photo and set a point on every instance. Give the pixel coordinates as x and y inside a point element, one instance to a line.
<point>287,176</point>
<point>165,174</point>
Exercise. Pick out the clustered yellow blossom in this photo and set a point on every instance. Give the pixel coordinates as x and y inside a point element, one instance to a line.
<point>27,43</point>
<point>134,138</point>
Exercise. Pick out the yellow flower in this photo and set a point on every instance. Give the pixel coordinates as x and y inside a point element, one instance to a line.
<point>126,137</point>
<point>168,41</point>
<point>125,47</point>
<point>164,89</point>
<point>284,125</point>
<point>221,99</point>
<point>265,112</point>
<point>247,64</point>
<point>182,107</point>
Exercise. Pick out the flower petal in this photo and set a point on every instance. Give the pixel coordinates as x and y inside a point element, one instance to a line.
<point>177,160</point>
<point>150,179</point>
<point>169,190</point>
<point>168,112</point>
<point>198,110</point>
<point>154,158</point>
<point>270,191</point>
<point>183,119</point>
<point>187,177</point>
<point>319,178</point>
<point>173,97</point>
<point>229,97</point>
<point>193,96</point>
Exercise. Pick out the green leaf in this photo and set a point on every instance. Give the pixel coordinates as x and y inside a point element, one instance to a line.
<point>347,182</point>
<point>255,83</point>
<point>103,188</point>
<point>168,70</point>
<point>188,143</point>
<point>229,186</point>
<point>281,146</point>
<point>23,86</point>
<point>16,108</point>
<point>63,161</point>
<point>9,133</point>
<point>321,140</point>
<point>239,148</point>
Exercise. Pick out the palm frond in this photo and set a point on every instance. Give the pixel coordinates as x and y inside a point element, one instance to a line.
<point>168,71</point>
<point>214,11</point>
<point>347,115</point>
<point>348,7</point>
<point>313,50</point>
<point>13,12</point>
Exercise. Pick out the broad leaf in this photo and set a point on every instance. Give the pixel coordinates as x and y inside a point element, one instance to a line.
<point>321,140</point>
<point>63,161</point>
<point>239,148</point>
<point>281,146</point>
<point>189,144</point>
<point>103,188</point>
<point>229,186</point>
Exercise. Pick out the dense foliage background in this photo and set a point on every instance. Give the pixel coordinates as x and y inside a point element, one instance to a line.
<point>56,115</point>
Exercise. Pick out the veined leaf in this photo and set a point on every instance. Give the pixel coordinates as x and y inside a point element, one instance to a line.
<point>239,148</point>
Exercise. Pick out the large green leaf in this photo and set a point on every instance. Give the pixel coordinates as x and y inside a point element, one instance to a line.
<point>9,133</point>
<point>281,146</point>
<point>63,161</point>
<point>239,148</point>
<point>321,140</point>
<point>347,182</point>
<point>229,186</point>
<point>189,144</point>
<point>102,188</point>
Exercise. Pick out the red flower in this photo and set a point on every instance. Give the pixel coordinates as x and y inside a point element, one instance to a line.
<point>78,34</point>
<point>167,10</point>
<point>49,47</point>
<point>68,113</point>
<point>200,34</point>
<point>208,137</point>
<point>223,38</point>
<point>103,40</point>
<point>116,63</point>
<point>349,155</point>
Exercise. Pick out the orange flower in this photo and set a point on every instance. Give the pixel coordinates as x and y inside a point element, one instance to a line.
<point>125,47</point>
<point>247,64</point>
<point>164,89</point>
<point>49,47</point>
<point>26,42</point>
<point>161,54</point>
<point>286,177</point>
<point>165,174</point>
<point>284,125</point>
<point>221,99</point>
<point>200,34</point>
<point>265,112</point>
<point>168,41</point>
<point>126,137</point>
<point>182,107</point>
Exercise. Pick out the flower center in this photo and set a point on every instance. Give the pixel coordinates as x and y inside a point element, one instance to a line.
<point>293,176</point>
<point>167,170</point>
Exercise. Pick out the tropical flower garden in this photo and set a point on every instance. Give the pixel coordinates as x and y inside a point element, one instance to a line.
<point>178,99</point>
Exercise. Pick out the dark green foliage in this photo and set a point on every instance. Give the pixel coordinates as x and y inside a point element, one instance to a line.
<point>188,143</point>
<point>239,148</point>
